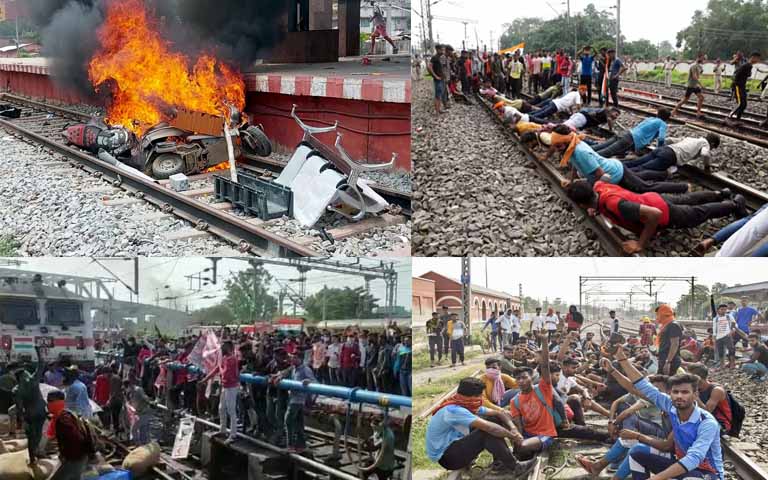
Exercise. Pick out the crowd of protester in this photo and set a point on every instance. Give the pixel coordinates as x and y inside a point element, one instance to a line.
<point>629,178</point>
<point>122,394</point>
<point>664,414</point>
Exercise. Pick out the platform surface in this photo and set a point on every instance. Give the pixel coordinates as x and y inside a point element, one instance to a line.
<point>381,81</point>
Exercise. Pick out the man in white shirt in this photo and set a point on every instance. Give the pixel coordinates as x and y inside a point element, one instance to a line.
<point>516,324</point>
<point>537,324</point>
<point>749,238</point>
<point>550,323</point>
<point>718,71</point>
<point>677,152</point>
<point>511,115</point>
<point>505,324</point>
<point>566,103</point>
<point>669,65</point>
<point>722,326</point>
<point>457,340</point>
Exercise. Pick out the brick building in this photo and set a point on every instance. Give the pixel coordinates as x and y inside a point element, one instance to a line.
<point>423,291</point>
<point>484,300</point>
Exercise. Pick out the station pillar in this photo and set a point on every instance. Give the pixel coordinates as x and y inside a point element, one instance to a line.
<point>321,15</point>
<point>349,28</point>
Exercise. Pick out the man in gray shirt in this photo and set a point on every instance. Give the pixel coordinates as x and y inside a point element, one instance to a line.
<point>294,416</point>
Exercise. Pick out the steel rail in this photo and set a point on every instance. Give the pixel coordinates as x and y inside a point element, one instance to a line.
<point>395,197</point>
<point>247,236</point>
<point>755,97</point>
<point>294,457</point>
<point>711,126</point>
<point>609,239</point>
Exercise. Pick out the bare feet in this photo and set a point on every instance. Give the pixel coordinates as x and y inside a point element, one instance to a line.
<point>704,246</point>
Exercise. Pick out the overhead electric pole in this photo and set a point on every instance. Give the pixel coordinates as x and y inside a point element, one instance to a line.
<point>618,26</point>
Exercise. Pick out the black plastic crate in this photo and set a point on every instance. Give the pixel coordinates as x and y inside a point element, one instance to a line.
<point>261,198</point>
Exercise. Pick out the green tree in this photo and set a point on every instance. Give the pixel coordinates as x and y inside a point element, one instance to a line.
<point>725,27</point>
<point>247,296</point>
<point>666,49</point>
<point>641,49</point>
<point>340,304</point>
<point>700,303</point>
<point>215,315</point>
<point>590,27</point>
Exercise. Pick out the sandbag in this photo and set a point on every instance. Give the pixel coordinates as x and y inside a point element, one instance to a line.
<point>13,445</point>
<point>13,466</point>
<point>5,424</point>
<point>141,459</point>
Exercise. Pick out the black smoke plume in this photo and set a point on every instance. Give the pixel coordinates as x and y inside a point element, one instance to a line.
<point>236,31</point>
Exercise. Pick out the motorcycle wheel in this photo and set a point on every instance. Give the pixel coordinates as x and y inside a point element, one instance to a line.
<point>167,164</point>
<point>256,142</point>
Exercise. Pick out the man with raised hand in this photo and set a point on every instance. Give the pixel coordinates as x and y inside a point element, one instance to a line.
<point>695,431</point>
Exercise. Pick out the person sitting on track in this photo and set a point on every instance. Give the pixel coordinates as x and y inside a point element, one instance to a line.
<point>744,237</point>
<point>631,415</point>
<point>712,397</point>
<point>514,356</point>
<point>757,365</point>
<point>678,153</point>
<point>552,92</point>
<point>533,409</point>
<point>566,104</point>
<point>594,167</point>
<point>639,137</point>
<point>461,428</point>
<point>695,435</point>
<point>577,396</point>
<point>644,214</point>
<point>499,387</point>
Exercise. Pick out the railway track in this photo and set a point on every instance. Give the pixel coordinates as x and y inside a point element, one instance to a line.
<point>43,124</point>
<point>707,91</point>
<point>609,236</point>
<point>742,465</point>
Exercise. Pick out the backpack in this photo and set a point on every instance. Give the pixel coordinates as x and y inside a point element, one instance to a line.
<point>540,396</point>
<point>737,415</point>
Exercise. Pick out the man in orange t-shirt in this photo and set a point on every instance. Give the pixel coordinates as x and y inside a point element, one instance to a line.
<point>531,417</point>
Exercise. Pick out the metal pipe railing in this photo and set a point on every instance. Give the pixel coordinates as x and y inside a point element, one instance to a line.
<point>356,395</point>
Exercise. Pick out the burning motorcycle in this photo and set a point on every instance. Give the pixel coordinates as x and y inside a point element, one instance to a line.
<point>164,149</point>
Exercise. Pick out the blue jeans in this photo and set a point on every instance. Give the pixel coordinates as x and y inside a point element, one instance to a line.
<point>405,383</point>
<point>727,231</point>
<point>755,368</point>
<point>659,159</point>
<point>439,89</point>
<point>547,108</point>
<point>643,463</point>
<point>546,441</point>
<point>618,453</point>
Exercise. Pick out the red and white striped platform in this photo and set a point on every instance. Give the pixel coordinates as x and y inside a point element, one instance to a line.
<point>368,88</point>
<point>374,87</point>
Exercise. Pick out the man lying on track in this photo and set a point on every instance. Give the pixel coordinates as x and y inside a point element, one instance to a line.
<point>565,104</point>
<point>594,167</point>
<point>678,153</point>
<point>650,129</point>
<point>744,237</point>
<point>644,214</point>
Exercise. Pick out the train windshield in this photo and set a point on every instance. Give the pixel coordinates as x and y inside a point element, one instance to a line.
<point>18,312</point>
<point>64,313</point>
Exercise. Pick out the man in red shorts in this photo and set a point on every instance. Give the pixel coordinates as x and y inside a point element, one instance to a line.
<point>379,24</point>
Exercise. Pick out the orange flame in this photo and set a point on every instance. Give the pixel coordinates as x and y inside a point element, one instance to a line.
<point>217,167</point>
<point>150,79</point>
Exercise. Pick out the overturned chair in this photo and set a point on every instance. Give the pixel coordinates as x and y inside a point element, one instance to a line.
<point>315,180</point>
<point>322,179</point>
